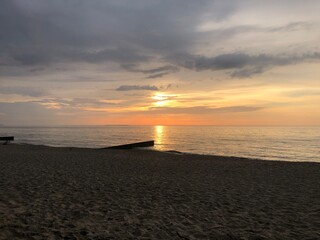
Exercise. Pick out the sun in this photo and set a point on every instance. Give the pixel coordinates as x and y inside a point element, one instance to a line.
<point>162,99</point>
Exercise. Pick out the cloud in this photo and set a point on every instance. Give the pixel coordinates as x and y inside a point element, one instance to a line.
<point>119,55</point>
<point>41,32</point>
<point>203,109</point>
<point>153,72</point>
<point>248,72</point>
<point>242,64</point>
<point>130,34</point>
<point>158,75</point>
<point>23,91</point>
<point>76,102</point>
<point>219,33</point>
<point>166,68</point>
<point>293,26</point>
<point>30,59</point>
<point>137,88</point>
<point>303,93</point>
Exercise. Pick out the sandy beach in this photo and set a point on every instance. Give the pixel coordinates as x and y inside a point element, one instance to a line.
<point>70,193</point>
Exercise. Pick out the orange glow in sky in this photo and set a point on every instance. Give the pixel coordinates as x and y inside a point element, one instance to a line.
<point>231,63</point>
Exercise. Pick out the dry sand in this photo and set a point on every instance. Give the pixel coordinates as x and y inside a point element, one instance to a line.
<point>69,193</point>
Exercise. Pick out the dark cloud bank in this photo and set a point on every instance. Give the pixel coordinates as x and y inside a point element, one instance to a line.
<point>130,33</point>
<point>243,65</point>
<point>39,32</point>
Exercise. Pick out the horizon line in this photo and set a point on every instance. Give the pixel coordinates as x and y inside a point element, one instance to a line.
<point>153,125</point>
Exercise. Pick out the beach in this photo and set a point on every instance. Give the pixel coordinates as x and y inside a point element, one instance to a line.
<point>78,193</point>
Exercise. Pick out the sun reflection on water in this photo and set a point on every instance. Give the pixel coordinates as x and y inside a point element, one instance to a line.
<point>159,136</point>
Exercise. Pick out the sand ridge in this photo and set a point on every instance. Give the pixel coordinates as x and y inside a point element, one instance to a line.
<point>70,193</point>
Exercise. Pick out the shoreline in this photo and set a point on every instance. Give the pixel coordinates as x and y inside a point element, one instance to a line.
<point>83,193</point>
<point>175,152</point>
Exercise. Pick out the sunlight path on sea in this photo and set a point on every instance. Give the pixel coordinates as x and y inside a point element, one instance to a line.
<point>159,132</point>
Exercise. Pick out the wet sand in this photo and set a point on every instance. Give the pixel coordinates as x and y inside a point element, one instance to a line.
<point>70,193</point>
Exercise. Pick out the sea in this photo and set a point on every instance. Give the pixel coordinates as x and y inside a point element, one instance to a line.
<point>267,143</point>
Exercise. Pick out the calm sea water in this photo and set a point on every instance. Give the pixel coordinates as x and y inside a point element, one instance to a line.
<point>270,143</point>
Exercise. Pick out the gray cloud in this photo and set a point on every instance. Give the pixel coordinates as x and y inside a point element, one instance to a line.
<point>35,33</point>
<point>30,59</point>
<point>154,72</point>
<point>158,75</point>
<point>23,91</point>
<point>221,34</point>
<point>166,68</point>
<point>248,72</point>
<point>243,65</point>
<point>40,32</point>
<point>137,87</point>
<point>119,55</point>
<point>293,26</point>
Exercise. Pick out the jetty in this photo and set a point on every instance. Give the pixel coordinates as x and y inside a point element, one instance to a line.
<point>6,139</point>
<point>133,145</point>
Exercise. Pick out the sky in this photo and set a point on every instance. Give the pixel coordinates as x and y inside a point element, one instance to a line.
<point>159,62</point>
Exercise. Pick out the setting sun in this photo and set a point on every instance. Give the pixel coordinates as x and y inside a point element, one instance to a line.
<point>162,99</point>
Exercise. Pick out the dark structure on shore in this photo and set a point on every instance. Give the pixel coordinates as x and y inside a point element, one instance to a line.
<point>7,139</point>
<point>133,145</point>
